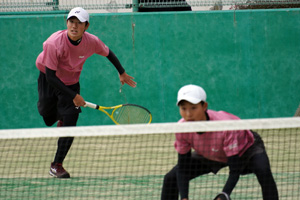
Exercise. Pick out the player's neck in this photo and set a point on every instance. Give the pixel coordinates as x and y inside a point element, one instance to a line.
<point>75,42</point>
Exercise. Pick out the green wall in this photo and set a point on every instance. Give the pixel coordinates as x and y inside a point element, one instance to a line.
<point>247,61</point>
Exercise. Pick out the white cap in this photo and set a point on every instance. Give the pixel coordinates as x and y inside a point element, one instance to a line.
<point>80,13</point>
<point>191,93</point>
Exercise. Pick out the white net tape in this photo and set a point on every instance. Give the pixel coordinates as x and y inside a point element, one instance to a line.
<point>268,123</point>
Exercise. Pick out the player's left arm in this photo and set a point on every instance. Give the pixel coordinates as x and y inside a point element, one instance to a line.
<point>234,175</point>
<point>184,163</point>
<point>115,61</point>
<point>124,77</point>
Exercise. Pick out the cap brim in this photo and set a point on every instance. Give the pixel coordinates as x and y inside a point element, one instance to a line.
<point>81,19</point>
<point>189,99</point>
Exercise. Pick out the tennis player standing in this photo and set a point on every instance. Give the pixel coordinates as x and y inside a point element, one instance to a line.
<point>60,64</point>
<point>243,151</point>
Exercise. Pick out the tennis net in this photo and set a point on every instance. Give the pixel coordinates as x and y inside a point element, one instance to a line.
<point>130,161</point>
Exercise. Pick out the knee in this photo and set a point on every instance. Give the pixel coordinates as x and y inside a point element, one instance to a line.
<point>263,171</point>
<point>70,120</point>
<point>49,122</point>
<point>170,177</point>
<point>265,176</point>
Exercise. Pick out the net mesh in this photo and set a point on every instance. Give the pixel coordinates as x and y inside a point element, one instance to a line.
<point>130,161</point>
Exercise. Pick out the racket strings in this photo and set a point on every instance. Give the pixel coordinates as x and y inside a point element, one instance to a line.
<point>130,114</point>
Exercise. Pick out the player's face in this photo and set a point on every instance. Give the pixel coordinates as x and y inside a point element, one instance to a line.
<point>76,28</point>
<point>192,112</point>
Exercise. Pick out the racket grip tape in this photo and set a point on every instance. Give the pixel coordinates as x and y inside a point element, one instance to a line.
<point>91,105</point>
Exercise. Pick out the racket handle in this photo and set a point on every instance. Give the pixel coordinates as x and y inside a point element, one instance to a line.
<point>90,105</point>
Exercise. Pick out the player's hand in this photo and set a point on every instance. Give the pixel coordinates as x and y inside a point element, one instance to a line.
<point>78,101</point>
<point>125,78</point>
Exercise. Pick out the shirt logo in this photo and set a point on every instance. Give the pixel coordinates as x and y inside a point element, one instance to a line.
<point>233,146</point>
<point>81,57</point>
<point>214,150</point>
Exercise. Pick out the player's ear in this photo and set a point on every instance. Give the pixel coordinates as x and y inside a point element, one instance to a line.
<point>205,105</point>
<point>87,26</point>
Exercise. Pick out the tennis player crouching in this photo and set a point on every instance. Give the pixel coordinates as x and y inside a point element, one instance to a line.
<point>243,151</point>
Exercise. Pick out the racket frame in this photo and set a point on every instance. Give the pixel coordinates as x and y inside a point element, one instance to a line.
<point>103,109</point>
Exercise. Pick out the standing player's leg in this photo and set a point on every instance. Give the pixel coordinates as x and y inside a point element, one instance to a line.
<point>63,146</point>
<point>70,114</point>
<point>47,107</point>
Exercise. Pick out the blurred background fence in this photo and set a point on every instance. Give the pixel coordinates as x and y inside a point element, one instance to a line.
<point>7,6</point>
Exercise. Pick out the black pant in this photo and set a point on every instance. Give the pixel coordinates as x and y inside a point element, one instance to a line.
<point>54,105</point>
<point>258,164</point>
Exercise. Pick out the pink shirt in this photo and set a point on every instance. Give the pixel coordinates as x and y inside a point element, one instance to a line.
<point>66,59</point>
<point>217,145</point>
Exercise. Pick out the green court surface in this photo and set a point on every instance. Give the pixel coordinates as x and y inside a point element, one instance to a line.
<point>130,167</point>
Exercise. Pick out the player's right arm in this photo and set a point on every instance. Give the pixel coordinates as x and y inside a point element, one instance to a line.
<point>58,84</point>
<point>234,174</point>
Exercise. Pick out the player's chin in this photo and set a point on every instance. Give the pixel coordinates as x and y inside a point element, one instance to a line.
<point>74,34</point>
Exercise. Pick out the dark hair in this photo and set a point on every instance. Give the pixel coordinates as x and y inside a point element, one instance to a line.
<point>201,102</point>
<point>86,23</point>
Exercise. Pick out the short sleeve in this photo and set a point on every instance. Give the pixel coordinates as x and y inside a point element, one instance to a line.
<point>182,145</point>
<point>50,58</point>
<point>231,143</point>
<point>100,47</point>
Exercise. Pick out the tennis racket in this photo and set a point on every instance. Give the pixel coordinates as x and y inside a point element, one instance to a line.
<point>125,113</point>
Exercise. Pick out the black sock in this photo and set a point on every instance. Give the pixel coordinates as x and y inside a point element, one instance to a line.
<point>63,146</point>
